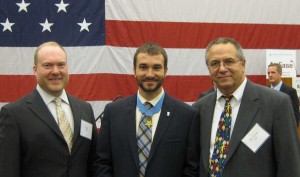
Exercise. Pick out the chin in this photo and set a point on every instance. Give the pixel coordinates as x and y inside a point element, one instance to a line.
<point>225,85</point>
<point>147,87</point>
<point>149,90</point>
<point>56,89</point>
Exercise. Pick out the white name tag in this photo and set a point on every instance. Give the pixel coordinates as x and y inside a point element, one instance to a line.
<point>256,137</point>
<point>86,129</point>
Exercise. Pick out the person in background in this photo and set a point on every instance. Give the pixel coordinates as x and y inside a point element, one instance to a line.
<point>149,133</point>
<point>214,88</point>
<point>48,133</point>
<point>274,75</point>
<point>252,130</point>
<point>299,101</point>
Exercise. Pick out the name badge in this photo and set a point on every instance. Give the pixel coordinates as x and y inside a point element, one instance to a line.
<point>256,137</point>
<point>86,129</point>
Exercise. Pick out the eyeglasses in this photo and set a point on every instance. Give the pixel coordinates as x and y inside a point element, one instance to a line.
<point>227,63</point>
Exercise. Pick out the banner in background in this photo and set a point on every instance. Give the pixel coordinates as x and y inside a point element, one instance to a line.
<point>296,84</point>
<point>286,58</point>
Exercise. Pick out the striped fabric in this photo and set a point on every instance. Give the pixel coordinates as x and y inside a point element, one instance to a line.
<point>101,37</point>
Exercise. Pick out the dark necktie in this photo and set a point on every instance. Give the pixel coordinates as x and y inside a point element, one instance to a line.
<point>221,146</point>
<point>144,140</point>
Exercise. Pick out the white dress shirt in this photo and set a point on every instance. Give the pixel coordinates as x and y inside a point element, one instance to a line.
<point>235,103</point>
<point>155,116</point>
<point>48,99</point>
<point>277,87</point>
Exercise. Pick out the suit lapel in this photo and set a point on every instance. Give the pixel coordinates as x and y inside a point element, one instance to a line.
<point>38,106</point>
<point>283,88</point>
<point>130,121</point>
<point>248,108</point>
<point>206,124</point>
<point>165,118</point>
<point>76,111</point>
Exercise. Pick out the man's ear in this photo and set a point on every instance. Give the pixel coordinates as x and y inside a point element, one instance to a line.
<point>34,68</point>
<point>134,73</point>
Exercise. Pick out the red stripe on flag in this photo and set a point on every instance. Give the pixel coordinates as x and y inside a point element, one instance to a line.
<point>198,35</point>
<point>15,86</point>
<point>97,87</point>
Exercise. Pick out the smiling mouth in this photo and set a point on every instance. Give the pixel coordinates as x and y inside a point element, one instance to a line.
<point>55,79</point>
<point>149,83</point>
<point>223,77</point>
<point>150,80</point>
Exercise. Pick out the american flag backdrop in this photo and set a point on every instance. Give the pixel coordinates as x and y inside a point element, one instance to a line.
<point>101,36</point>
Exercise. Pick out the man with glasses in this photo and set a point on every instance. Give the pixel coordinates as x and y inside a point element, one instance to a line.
<point>247,130</point>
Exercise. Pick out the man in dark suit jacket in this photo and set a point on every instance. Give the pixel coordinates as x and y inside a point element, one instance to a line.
<point>274,75</point>
<point>203,94</point>
<point>208,91</point>
<point>263,136</point>
<point>31,142</point>
<point>175,126</point>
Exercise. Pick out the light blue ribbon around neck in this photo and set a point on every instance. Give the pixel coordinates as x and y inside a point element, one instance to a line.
<point>153,110</point>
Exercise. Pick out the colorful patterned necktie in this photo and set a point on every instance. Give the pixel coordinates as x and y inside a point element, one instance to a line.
<point>221,146</point>
<point>144,140</point>
<point>64,124</point>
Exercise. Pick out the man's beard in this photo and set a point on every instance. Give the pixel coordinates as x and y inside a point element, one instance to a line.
<point>159,84</point>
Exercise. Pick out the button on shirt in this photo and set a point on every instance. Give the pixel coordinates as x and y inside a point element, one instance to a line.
<point>235,103</point>
<point>48,99</point>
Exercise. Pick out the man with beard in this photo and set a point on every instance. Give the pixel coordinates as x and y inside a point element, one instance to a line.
<point>149,133</point>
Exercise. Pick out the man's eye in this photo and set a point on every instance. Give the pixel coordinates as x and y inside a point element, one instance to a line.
<point>47,66</point>
<point>214,64</point>
<point>157,68</point>
<point>62,65</point>
<point>229,62</point>
<point>143,67</point>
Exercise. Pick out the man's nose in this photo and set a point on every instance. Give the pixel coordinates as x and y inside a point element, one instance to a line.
<point>55,69</point>
<point>150,72</point>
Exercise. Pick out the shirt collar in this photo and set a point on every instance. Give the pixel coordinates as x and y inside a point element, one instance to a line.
<point>277,87</point>
<point>153,101</point>
<point>49,98</point>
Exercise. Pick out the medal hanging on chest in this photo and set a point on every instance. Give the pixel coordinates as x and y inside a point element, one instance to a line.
<point>149,112</point>
<point>149,122</point>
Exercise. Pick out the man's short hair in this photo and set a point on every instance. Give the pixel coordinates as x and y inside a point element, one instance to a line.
<point>226,40</point>
<point>151,48</point>
<point>277,65</point>
<point>50,43</point>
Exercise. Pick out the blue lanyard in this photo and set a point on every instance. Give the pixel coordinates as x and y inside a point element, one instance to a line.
<point>153,110</point>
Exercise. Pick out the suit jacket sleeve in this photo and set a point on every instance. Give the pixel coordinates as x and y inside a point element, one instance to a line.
<point>9,145</point>
<point>93,164</point>
<point>286,141</point>
<point>295,102</point>
<point>193,149</point>
<point>104,148</point>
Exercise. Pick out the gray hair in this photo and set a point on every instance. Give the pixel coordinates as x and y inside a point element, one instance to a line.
<point>226,40</point>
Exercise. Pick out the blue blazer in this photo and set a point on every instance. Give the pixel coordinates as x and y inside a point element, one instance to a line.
<point>175,148</point>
